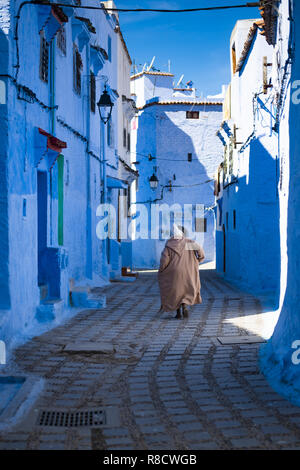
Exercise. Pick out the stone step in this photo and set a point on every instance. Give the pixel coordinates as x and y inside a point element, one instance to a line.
<point>117,278</point>
<point>43,292</point>
<point>50,310</point>
<point>83,297</point>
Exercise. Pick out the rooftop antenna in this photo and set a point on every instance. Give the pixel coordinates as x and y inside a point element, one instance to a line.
<point>144,67</point>
<point>181,78</point>
<point>151,64</point>
<point>169,66</point>
<point>135,69</point>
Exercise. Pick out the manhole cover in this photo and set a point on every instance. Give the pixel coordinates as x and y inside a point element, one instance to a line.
<point>75,419</point>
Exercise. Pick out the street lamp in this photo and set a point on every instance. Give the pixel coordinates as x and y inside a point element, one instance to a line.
<point>105,106</point>
<point>153,181</point>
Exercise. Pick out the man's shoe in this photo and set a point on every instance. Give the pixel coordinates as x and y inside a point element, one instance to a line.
<point>185,312</point>
<point>178,316</point>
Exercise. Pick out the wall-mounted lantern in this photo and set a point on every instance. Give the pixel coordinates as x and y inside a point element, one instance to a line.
<point>153,181</point>
<point>105,106</point>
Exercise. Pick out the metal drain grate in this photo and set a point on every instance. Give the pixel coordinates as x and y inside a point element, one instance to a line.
<point>75,419</point>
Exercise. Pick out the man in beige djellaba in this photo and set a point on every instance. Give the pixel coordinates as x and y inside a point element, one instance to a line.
<point>178,275</point>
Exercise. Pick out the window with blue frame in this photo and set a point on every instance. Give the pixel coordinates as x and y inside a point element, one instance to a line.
<point>109,48</point>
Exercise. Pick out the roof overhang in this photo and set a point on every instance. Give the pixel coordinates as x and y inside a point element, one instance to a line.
<point>114,183</point>
<point>47,147</point>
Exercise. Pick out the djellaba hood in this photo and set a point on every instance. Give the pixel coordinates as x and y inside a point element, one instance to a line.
<point>177,245</point>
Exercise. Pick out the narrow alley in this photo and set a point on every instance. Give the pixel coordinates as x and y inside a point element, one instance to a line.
<point>166,384</point>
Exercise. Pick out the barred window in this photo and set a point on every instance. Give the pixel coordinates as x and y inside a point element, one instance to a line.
<point>192,114</point>
<point>77,67</point>
<point>124,138</point>
<point>61,40</point>
<point>93,92</point>
<point>128,141</point>
<point>44,57</point>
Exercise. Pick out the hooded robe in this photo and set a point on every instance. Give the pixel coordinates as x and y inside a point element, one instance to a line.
<point>178,275</point>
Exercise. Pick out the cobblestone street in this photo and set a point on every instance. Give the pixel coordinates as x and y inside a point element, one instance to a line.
<point>174,385</point>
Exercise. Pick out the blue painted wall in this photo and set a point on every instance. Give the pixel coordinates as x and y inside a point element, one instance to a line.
<point>248,250</point>
<point>30,250</point>
<point>279,356</point>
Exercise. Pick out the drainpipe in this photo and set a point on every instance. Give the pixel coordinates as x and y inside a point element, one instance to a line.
<point>89,254</point>
<point>52,125</point>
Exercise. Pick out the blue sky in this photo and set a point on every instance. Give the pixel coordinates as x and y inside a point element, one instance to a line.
<point>197,44</point>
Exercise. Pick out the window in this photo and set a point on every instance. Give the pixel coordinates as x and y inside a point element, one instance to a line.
<point>124,138</point>
<point>201,225</point>
<point>192,114</point>
<point>190,157</point>
<point>234,219</point>
<point>93,92</point>
<point>77,67</point>
<point>44,57</point>
<point>128,141</point>
<point>61,40</point>
<point>109,48</point>
<point>24,207</point>
<point>110,133</point>
<point>233,56</point>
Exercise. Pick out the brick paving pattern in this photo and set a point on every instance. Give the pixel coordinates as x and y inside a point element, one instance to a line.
<point>174,385</point>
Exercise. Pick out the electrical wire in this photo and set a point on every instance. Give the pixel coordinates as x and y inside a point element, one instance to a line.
<point>29,95</point>
<point>150,10</point>
<point>164,159</point>
<point>118,10</point>
<point>184,10</point>
<point>167,186</point>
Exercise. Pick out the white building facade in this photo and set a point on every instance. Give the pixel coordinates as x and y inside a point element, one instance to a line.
<point>173,139</point>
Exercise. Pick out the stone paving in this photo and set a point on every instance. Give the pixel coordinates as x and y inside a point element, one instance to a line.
<point>175,386</point>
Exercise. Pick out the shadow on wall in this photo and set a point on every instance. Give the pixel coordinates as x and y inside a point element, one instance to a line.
<point>251,243</point>
<point>280,356</point>
<point>161,137</point>
<point>4,251</point>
